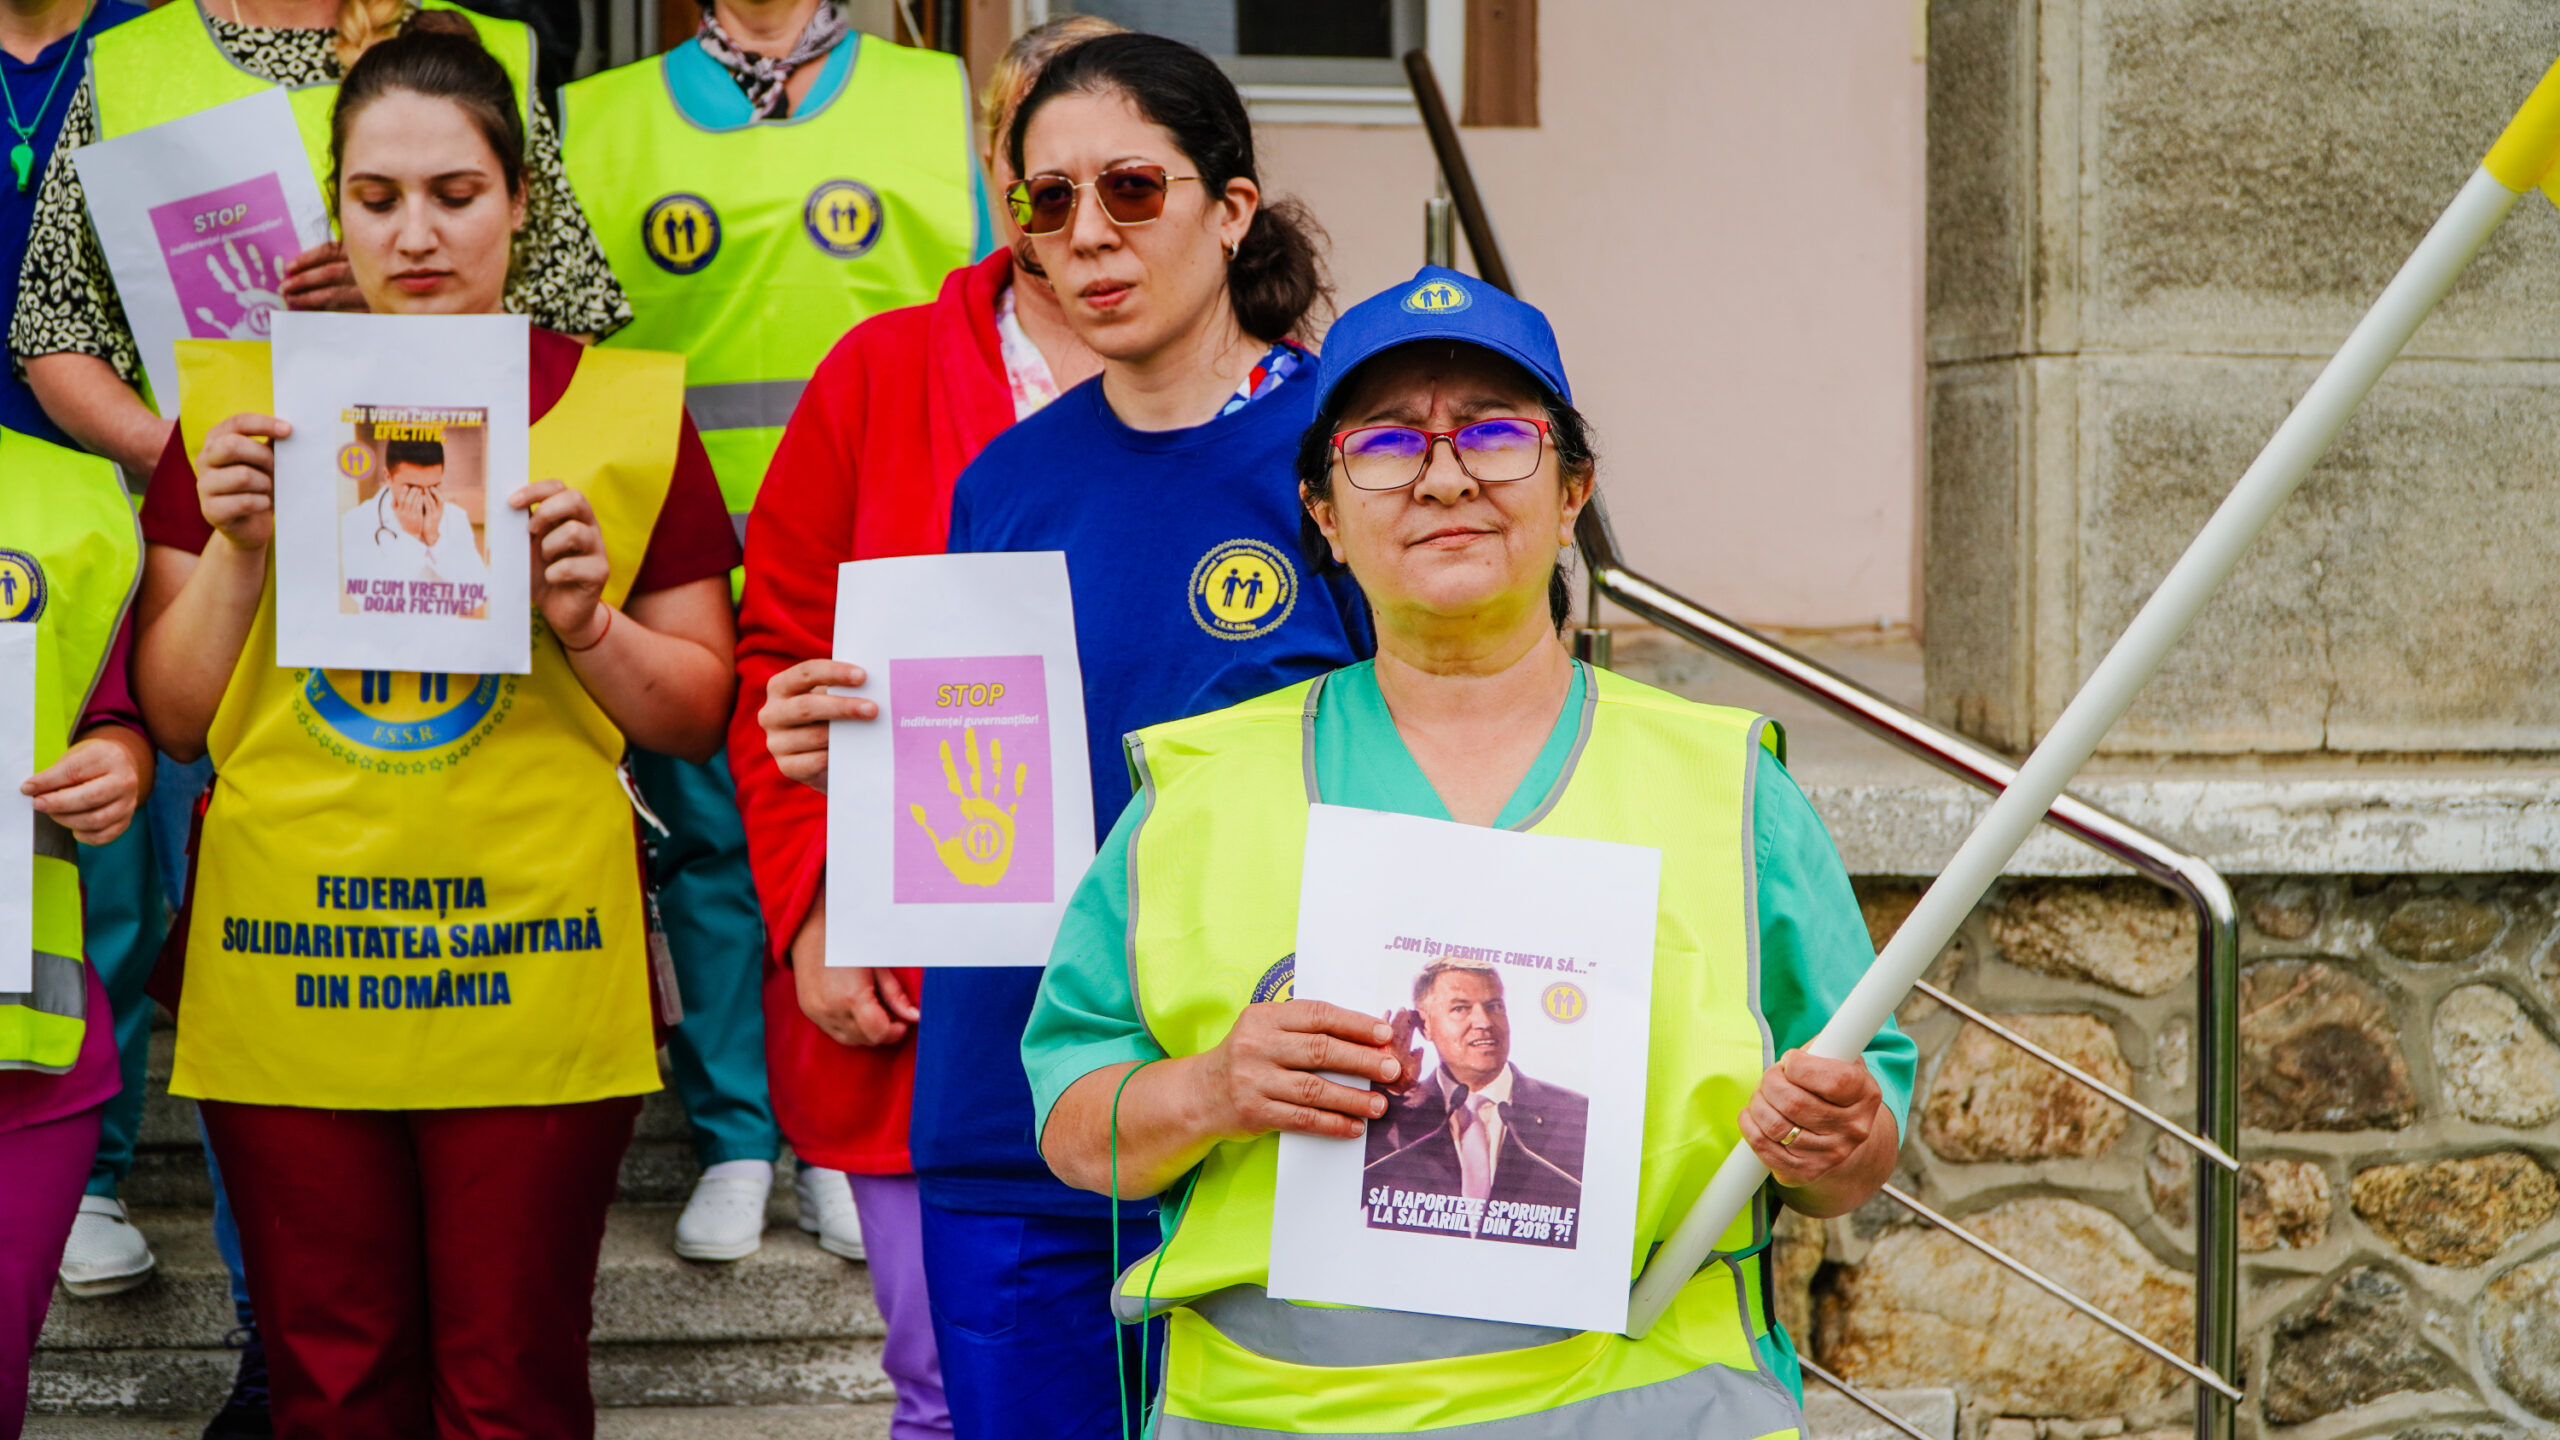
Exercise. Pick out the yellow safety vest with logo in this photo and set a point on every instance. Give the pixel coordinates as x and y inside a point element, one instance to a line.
<point>1213,882</point>
<point>753,250</point>
<point>166,65</point>
<point>419,891</point>
<point>69,559</point>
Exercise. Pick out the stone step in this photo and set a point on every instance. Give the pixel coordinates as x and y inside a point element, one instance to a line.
<point>741,1422</point>
<point>790,1324</point>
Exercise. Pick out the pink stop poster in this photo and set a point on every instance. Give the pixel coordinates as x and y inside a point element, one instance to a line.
<point>969,746</point>
<point>227,251</point>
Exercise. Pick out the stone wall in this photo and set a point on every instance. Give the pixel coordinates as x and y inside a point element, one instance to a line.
<point>2400,1222</point>
<point>2149,222</point>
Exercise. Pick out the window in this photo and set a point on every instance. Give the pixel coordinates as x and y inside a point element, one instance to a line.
<point>1319,61</point>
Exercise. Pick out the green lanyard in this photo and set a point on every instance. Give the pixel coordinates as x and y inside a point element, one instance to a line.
<point>22,156</point>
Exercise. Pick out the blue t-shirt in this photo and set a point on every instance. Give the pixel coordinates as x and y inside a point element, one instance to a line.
<point>28,81</point>
<point>1191,595</point>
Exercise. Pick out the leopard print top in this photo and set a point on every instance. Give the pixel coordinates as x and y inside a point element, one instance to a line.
<point>67,299</point>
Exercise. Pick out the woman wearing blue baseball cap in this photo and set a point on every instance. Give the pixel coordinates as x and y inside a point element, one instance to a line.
<point>1445,469</point>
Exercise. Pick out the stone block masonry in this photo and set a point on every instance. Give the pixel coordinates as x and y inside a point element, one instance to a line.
<point>2400,1216</point>
<point>2150,222</point>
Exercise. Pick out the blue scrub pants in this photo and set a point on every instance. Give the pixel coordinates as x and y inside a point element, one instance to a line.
<point>707,901</point>
<point>1021,1314</point>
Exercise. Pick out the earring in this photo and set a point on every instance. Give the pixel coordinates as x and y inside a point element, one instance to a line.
<point>1232,247</point>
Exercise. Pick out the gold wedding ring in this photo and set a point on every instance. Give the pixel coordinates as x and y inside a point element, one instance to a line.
<point>1792,1132</point>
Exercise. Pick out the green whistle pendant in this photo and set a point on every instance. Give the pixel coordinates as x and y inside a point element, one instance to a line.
<point>22,159</point>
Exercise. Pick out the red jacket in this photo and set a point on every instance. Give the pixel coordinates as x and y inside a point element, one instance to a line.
<point>865,470</point>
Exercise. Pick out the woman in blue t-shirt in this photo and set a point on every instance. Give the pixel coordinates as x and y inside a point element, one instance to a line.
<point>1169,482</point>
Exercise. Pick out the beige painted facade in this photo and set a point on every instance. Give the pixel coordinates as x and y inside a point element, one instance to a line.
<point>1722,211</point>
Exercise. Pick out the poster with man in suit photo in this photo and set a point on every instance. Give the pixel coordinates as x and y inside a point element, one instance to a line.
<point>1475,1146</point>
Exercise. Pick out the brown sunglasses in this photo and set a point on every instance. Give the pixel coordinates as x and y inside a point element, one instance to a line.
<point>1130,195</point>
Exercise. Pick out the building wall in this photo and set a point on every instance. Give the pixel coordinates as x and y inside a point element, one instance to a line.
<point>1721,209</point>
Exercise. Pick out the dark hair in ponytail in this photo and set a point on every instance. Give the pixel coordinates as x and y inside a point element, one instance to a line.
<point>439,56</point>
<point>1277,276</point>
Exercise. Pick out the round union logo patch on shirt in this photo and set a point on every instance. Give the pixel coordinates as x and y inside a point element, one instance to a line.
<point>1438,297</point>
<point>22,587</point>
<point>1242,589</point>
<point>843,217</point>
<point>1278,983</point>
<point>400,721</point>
<point>681,232</point>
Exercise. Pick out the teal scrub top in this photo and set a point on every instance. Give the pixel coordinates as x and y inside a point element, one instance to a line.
<point>1813,938</point>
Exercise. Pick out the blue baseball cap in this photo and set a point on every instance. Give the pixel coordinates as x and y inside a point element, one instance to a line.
<point>1438,304</point>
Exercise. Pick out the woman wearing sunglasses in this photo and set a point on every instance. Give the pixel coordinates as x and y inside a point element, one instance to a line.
<point>1168,483</point>
<point>1445,468</point>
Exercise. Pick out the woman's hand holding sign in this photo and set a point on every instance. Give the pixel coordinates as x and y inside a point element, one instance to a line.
<point>799,704</point>
<point>1267,1075</point>
<point>1822,1129</point>
<point>569,566</point>
<point>236,479</point>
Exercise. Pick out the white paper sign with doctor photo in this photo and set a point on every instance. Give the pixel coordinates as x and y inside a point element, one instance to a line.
<point>395,547</point>
<point>1517,971</point>
<point>199,219</point>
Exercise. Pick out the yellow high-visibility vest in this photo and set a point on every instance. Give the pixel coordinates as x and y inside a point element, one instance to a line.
<point>752,251</point>
<point>166,65</point>
<point>419,891</point>
<point>69,561</point>
<point>1213,874</point>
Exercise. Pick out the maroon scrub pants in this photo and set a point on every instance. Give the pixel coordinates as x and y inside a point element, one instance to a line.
<point>424,1273</point>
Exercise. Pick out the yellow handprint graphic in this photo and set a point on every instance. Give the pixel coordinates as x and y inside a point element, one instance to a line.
<point>983,849</point>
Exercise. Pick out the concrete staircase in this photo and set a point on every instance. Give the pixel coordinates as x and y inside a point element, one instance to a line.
<point>785,1343</point>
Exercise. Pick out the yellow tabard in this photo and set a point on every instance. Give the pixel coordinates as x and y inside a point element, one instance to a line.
<point>422,891</point>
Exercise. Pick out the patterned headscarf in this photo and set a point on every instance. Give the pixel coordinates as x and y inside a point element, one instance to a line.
<point>762,76</point>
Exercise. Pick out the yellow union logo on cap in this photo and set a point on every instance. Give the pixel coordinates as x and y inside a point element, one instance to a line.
<point>1438,297</point>
<point>1241,589</point>
<point>1564,1002</point>
<point>843,217</point>
<point>681,232</point>
<point>22,587</point>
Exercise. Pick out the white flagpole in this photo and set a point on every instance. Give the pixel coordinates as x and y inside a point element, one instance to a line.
<point>2522,160</point>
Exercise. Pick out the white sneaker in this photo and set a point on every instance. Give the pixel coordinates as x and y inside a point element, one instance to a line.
<point>106,1255</point>
<point>725,1218</point>
<point>827,1211</point>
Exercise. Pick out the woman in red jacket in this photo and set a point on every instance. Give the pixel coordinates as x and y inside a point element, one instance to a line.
<point>865,470</point>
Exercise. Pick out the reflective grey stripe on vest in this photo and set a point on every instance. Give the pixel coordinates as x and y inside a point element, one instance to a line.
<point>746,405</point>
<point>1711,1402</point>
<point>61,990</point>
<point>1340,1338</point>
<point>54,841</point>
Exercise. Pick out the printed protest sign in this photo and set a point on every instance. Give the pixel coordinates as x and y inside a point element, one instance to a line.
<point>996,833</point>
<point>17,812</point>
<point>395,547</point>
<point>960,820</point>
<point>1517,972</point>
<point>199,219</point>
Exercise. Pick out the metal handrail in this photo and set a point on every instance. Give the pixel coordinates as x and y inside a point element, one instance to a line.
<point>2217,1134</point>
